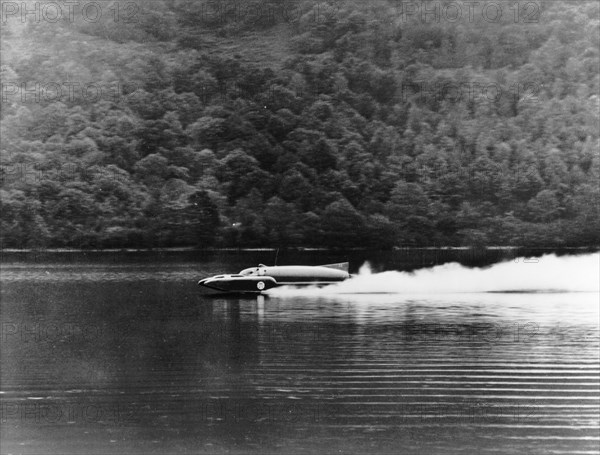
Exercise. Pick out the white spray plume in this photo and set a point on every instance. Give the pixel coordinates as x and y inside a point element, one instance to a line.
<point>548,273</point>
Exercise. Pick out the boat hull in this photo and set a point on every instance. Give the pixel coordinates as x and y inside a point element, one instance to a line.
<point>259,279</point>
<point>234,285</point>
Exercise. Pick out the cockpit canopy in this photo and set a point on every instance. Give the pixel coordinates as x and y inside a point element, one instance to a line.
<point>254,271</point>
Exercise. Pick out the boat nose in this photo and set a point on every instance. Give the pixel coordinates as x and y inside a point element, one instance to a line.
<point>202,281</point>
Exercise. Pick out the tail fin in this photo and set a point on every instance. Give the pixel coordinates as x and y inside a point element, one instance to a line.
<point>339,266</point>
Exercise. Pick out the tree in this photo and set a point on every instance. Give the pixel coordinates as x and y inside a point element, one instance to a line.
<point>240,173</point>
<point>205,219</point>
<point>342,225</point>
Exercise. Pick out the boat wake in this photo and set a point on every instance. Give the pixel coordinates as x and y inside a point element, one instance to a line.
<point>546,274</point>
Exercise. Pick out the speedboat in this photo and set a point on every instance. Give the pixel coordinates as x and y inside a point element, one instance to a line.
<point>257,280</point>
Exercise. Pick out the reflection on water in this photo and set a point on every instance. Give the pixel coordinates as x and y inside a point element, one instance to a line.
<point>105,363</point>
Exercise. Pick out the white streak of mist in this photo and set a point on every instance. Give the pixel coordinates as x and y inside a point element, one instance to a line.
<point>549,274</point>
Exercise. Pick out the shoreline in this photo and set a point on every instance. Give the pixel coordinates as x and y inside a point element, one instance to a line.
<point>296,249</point>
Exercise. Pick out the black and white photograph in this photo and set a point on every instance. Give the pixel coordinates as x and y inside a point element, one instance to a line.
<point>299,227</point>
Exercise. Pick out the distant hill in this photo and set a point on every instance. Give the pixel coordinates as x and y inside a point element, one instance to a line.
<point>196,123</point>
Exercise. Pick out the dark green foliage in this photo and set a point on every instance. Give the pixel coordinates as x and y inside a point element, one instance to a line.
<point>331,124</point>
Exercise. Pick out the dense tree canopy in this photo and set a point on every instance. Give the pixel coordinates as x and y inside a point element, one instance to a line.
<point>309,124</point>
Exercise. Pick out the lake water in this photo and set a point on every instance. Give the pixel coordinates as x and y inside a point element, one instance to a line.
<point>119,353</point>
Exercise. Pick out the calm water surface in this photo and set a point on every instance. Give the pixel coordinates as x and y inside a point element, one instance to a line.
<point>118,355</point>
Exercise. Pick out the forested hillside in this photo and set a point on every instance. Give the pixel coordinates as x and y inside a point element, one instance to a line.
<point>301,124</point>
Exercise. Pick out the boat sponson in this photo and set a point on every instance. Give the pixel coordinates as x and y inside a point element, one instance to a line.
<point>253,284</point>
